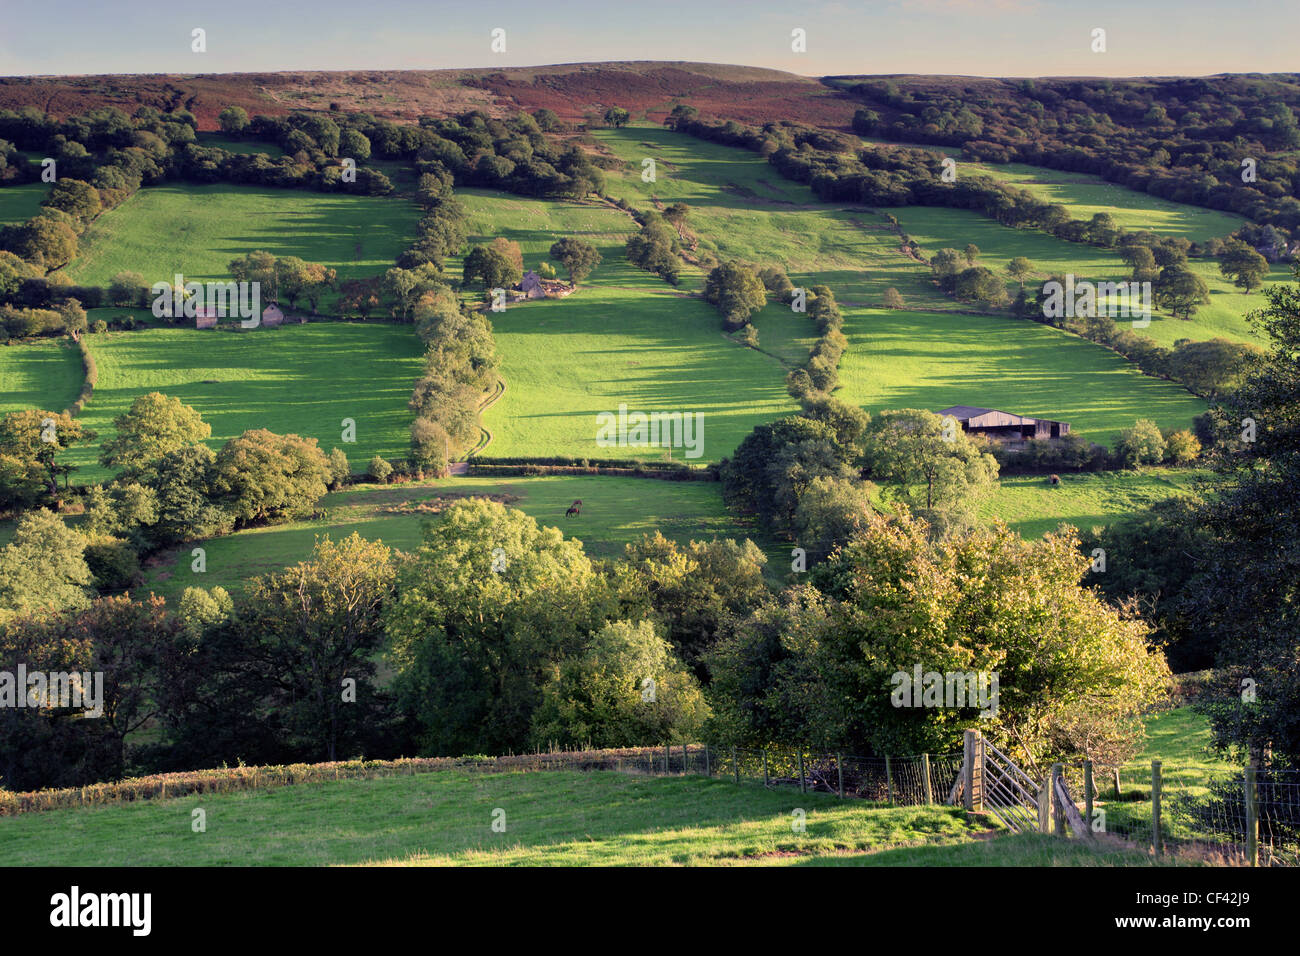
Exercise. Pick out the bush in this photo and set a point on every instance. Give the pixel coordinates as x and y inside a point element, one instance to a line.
<point>379,469</point>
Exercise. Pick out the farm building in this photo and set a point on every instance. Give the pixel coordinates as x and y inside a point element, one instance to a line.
<point>272,316</point>
<point>531,286</point>
<point>1004,426</point>
<point>205,317</point>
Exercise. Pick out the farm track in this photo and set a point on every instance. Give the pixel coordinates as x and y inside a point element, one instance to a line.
<point>486,438</point>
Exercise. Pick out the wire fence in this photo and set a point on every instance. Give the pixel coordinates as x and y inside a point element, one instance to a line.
<point>1250,816</point>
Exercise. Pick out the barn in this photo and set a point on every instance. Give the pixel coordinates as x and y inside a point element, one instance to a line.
<point>1005,427</point>
<point>531,286</point>
<point>205,317</point>
<point>272,316</point>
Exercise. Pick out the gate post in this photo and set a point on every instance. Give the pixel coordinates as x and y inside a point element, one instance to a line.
<point>925,779</point>
<point>1058,809</point>
<point>1252,814</point>
<point>1157,839</point>
<point>1089,793</point>
<point>973,771</point>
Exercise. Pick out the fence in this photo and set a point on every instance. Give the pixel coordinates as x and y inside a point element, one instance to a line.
<point>906,781</point>
<point>1248,818</point>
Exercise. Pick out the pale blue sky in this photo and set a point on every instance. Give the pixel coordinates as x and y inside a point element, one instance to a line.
<point>980,37</point>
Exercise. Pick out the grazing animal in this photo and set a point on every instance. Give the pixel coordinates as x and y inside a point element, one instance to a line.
<point>574,509</point>
<point>1054,479</point>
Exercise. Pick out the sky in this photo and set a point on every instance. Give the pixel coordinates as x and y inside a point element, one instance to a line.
<point>966,37</point>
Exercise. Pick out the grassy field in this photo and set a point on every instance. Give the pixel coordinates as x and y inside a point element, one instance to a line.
<point>742,209</point>
<point>1030,506</point>
<point>302,379</point>
<point>624,337</point>
<point>1086,195</point>
<point>919,359</point>
<point>198,230</point>
<point>1180,738</point>
<point>615,511</point>
<point>936,360</point>
<point>935,228</point>
<point>552,818</point>
<point>43,374</point>
<point>221,141</point>
<point>20,203</point>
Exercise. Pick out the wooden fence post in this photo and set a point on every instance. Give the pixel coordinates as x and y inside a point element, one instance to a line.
<point>889,780</point>
<point>1089,794</point>
<point>839,767</point>
<point>708,767</point>
<point>1058,810</point>
<point>766,780</point>
<point>1252,814</point>
<point>925,779</point>
<point>1045,806</point>
<point>1157,839</point>
<point>803,786</point>
<point>973,772</point>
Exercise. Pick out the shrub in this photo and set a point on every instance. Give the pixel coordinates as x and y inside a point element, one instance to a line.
<point>379,470</point>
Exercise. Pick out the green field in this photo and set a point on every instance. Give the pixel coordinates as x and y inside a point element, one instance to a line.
<point>44,374</point>
<point>936,228</point>
<point>615,511</point>
<point>20,203</point>
<point>930,359</point>
<point>624,337</point>
<point>303,379</point>
<point>1086,195</point>
<point>552,818</point>
<point>246,146</point>
<point>197,230</point>
<point>742,209</point>
<point>1031,506</point>
<point>936,360</point>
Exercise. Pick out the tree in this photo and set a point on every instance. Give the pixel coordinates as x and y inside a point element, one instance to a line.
<point>1181,447</point>
<point>1020,269</point>
<point>578,256</point>
<point>1180,291</point>
<point>1243,265</point>
<point>258,266</point>
<point>154,425</point>
<point>946,262</point>
<point>262,476</point>
<point>430,446</point>
<point>233,120</point>
<point>625,689</point>
<point>183,483</point>
<point>379,470</point>
<point>979,284</point>
<point>929,464</point>
<point>78,199</point>
<point>492,268</point>
<point>485,611</point>
<point>1245,599</point>
<point>689,590</point>
<point>737,292</point>
<point>316,629</point>
<point>617,117</point>
<point>43,569</point>
<point>339,469</point>
<point>128,290</point>
<point>1140,445</point>
<point>1214,368</point>
<point>37,437</point>
<point>971,253</point>
<point>354,145</point>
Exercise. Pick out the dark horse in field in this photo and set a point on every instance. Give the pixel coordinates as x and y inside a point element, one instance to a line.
<point>574,509</point>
